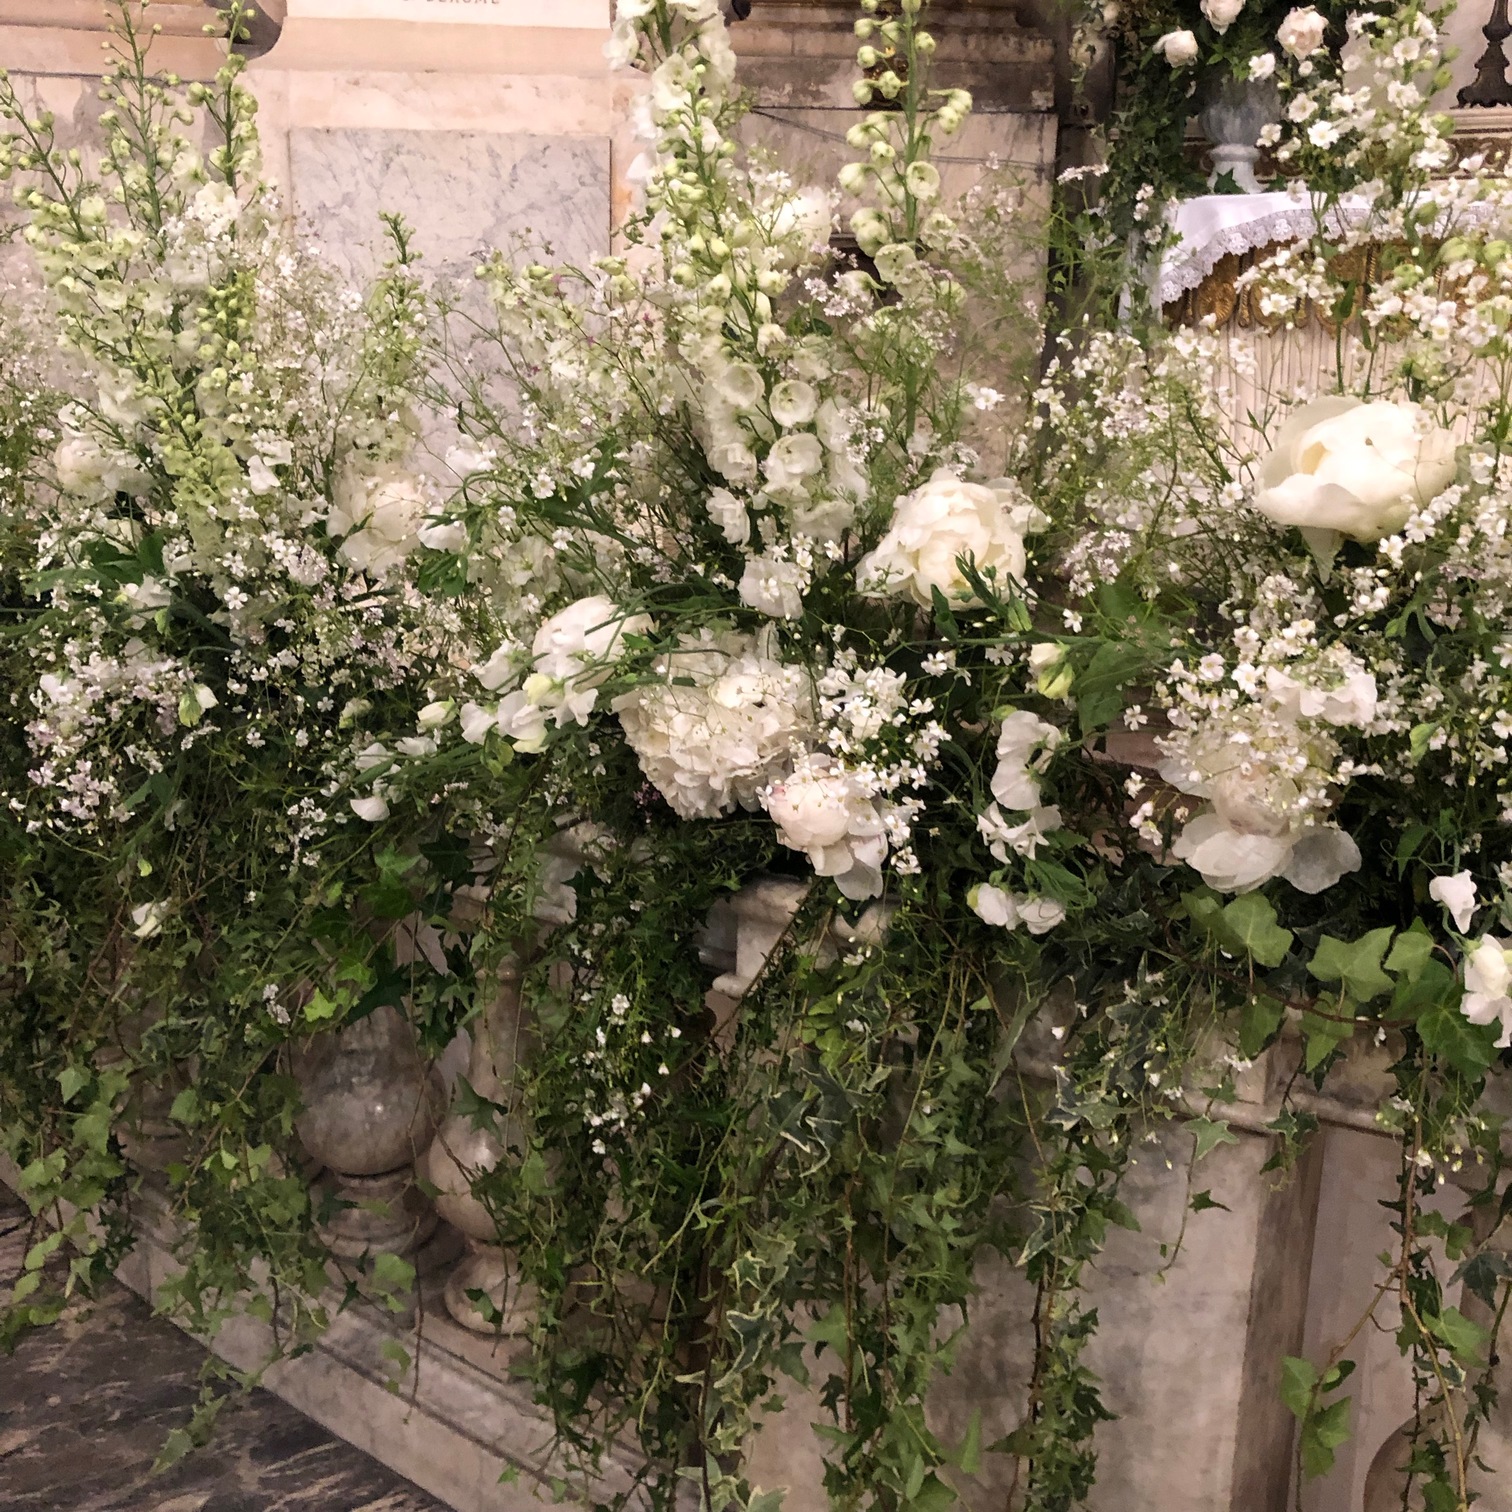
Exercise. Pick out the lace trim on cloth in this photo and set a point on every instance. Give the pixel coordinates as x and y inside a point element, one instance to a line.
<point>1209,230</point>
<point>1211,226</point>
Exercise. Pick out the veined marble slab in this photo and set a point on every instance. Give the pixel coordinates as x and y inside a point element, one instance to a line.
<point>463,192</point>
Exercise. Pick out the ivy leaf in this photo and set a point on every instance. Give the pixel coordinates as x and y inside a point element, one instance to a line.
<point>1209,1134</point>
<point>1482,1273</point>
<point>1411,953</point>
<point>1322,1434</point>
<point>70,1081</point>
<point>969,1456</point>
<point>1203,1201</point>
<point>1298,1378</point>
<point>1355,963</point>
<point>1322,1034</point>
<point>1464,1337</point>
<point>1448,1035</point>
<point>1251,919</point>
<point>1258,1022</point>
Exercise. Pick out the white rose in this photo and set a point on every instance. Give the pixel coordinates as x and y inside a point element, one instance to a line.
<point>377,515</point>
<point>1178,48</point>
<point>1014,784</point>
<point>1457,894</point>
<point>773,588</point>
<point>1488,987</point>
<point>937,525</point>
<point>1341,467</point>
<point>1301,33</point>
<point>1222,14</point>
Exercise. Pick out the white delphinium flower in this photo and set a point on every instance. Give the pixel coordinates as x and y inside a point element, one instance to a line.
<point>936,526</point>
<point>724,725</point>
<point>1488,987</point>
<point>1457,894</point>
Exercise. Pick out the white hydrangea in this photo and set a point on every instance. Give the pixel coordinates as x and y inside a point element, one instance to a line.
<point>727,727</point>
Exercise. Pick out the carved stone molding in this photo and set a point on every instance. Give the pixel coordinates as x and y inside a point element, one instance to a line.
<point>71,37</point>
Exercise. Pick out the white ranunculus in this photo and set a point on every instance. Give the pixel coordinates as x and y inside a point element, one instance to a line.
<point>794,403</point>
<point>1457,894</point>
<point>1341,467</point>
<point>1178,48</point>
<point>1488,987</point>
<point>376,516</point>
<point>825,812</point>
<point>935,526</point>
<point>1222,14</point>
<point>1024,747</point>
<point>730,514</point>
<point>1301,33</point>
<point>773,588</point>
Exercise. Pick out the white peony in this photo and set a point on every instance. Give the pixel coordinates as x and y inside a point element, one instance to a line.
<point>1457,894</point>
<point>1178,48</point>
<point>1222,14</point>
<point>825,811</point>
<point>377,516</point>
<point>1341,467</point>
<point>721,727</point>
<point>1488,987</point>
<point>1024,747</point>
<point>773,587</point>
<point>1301,33</point>
<point>936,526</point>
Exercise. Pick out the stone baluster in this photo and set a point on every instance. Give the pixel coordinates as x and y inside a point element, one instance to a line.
<point>465,1149</point>
<point>371,1106</point>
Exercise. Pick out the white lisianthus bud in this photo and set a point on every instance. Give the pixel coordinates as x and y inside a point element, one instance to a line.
<point>1178,48</point>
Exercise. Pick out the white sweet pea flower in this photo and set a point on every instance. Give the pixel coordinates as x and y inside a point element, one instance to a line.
<point>1178,48</point>
<point>434,715</point>
<point>730,514</point>
<point>147,919</point>
<point>475,722</point>
<point>374,809</point>
<point>261,478</point>
<point>1341,467</point>
<point>773,587</point>
<point>1301,33</point>
<point>937,525</point>
<point>523,721</point>
<point>1457,894</point>
<point>1488,987</point>
<point>1025,744</point>
<point>574,653</point>
<point>377,516</point>
<point>1022,839</point>
<point>442,535</point>
<point>1005,910</point>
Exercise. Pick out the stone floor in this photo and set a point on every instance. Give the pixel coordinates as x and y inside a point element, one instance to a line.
<point>85,1407</point>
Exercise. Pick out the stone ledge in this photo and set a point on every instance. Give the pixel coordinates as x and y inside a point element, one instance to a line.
<point>457,1424</point>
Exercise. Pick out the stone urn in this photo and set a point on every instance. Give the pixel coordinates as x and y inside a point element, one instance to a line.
<point>371,1105</point>
<point>1234,112</point>
<point>501,1041</point>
